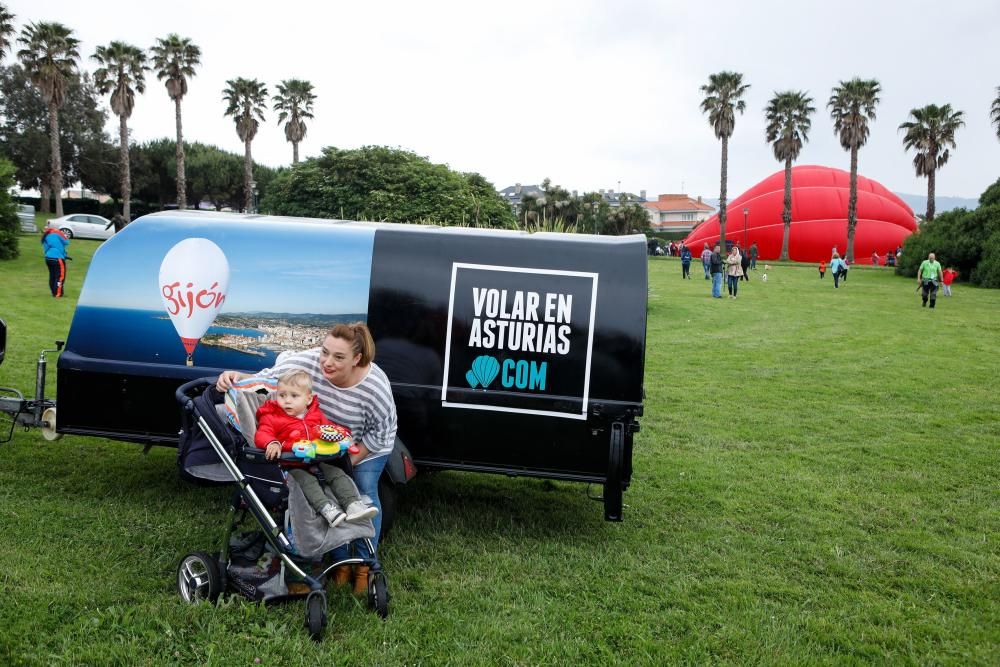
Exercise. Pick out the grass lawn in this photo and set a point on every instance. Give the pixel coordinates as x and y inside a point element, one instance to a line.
<point>816,481</point>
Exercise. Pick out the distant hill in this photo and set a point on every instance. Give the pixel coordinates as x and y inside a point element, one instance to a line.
<point>917,202</point>
<point>941,204</point>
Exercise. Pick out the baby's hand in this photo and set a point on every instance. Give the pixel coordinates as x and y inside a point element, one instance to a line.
<point>273,451</point>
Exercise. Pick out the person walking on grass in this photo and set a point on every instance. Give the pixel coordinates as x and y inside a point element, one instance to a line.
<point>745,265</point>
<point>734,270</point>
<point>822,269</point>
<point>715,267</point>
<point>947,278</point>
<point>685,262</point>
<point>753,256</point>
<point>928,276</point>
<point>706,261</point>
<point>838,268</point>
<point>54,244</point>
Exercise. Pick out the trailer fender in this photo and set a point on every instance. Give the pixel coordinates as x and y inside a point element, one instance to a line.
<point>399,469</point>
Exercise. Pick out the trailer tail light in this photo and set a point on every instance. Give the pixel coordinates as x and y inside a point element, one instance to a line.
<point>409,467</point>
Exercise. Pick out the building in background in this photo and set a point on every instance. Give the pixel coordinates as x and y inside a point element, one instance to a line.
<point>676,213</point>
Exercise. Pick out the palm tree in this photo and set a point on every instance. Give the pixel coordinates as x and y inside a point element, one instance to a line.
<point>930,133</point>
<point>175,58</point>
<point>49,56</point>
<point>6,30</point>
<point>247,99</point>
<point>995,112</point>
<point>852,105</point>
<point>787,129</point>
<point>294,100</point>
<point>722,100</point>
<point>121,72</point>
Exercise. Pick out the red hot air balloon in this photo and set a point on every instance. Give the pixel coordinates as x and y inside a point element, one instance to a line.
<point>819,217</point>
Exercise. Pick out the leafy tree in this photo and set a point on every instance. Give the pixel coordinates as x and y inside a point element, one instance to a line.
<point>488,210</point>
<point>294,100</point>
<point>121,72</point>
<point>9,224</point>
<point>788,127</point>
<point>174,58</point>
<point>24,134</point>
<point>995,112</point>
<point>627,219</point>
<point>50,56</point>
<point>246,100</point>
<point>154,175</point>
<point>991,195</point>
<point>930,133</point>
<point>555,203</point>
<point>380,183</point>
<point>6,30</point>
<point>723,98</point>
<point>852,105</point>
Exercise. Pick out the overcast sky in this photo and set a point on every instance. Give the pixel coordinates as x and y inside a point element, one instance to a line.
<point>588,93</point>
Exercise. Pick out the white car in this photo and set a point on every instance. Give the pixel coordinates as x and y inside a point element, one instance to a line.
<point>26,215</point>
<point>83,226</point>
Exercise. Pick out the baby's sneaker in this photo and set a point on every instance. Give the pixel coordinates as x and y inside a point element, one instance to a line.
<point>358,511</point>
<point>333,515</point>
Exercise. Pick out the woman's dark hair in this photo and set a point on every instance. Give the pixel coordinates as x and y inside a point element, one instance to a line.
<point>360,338</point>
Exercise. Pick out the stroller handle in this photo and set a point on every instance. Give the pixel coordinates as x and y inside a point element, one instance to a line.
<point>184,393</point>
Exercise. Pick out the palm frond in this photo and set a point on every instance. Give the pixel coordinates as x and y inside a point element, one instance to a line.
<point>122,72</point>
<point>174,59</point>
<point>50,56</point>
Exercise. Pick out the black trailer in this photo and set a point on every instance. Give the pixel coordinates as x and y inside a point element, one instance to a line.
<point>508,352</point>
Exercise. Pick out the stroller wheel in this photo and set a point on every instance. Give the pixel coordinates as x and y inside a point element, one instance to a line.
<point>378,594</point>
<point>316,614</point>
<point>198,578</point>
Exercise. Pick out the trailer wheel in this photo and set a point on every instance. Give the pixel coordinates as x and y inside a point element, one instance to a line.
<point>49,425</point>
<point>378,594</point>
<point>316,615</point>
<point>198,578</point>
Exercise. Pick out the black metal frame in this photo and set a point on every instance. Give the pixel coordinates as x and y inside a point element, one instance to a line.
<point>271,531</point>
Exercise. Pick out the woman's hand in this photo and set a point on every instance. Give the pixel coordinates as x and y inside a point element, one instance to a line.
<point>273,450</point>
<point>362,453</point>
<point>227,378</point>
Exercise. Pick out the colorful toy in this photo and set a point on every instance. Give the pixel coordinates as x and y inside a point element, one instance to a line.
<point>333,440</point>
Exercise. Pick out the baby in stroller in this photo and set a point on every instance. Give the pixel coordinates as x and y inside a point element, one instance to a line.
<point>294,416</point>
<point>281,560</point>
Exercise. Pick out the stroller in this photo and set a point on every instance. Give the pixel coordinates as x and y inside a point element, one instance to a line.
<point>256,563</point>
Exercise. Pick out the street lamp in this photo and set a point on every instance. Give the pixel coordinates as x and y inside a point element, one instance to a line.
<point>746,214</point>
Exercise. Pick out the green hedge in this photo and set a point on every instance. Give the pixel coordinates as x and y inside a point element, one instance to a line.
<point>968,241</point>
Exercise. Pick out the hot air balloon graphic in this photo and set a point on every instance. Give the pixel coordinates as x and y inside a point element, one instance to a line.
<point>194,278</point>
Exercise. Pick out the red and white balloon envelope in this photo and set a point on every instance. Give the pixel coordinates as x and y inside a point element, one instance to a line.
<point>194,279</point>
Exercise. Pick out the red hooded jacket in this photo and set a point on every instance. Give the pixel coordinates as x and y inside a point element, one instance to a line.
<point>274,424</point>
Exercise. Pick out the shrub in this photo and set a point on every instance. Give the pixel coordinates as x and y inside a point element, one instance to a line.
<point>9,226</point>
<point>380,183</point>
<point>963,239</point>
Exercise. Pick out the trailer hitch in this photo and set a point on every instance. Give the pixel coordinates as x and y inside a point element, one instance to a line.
<point>37,412</point>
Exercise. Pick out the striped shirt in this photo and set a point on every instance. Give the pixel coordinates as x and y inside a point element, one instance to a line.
<point>367,408</point>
